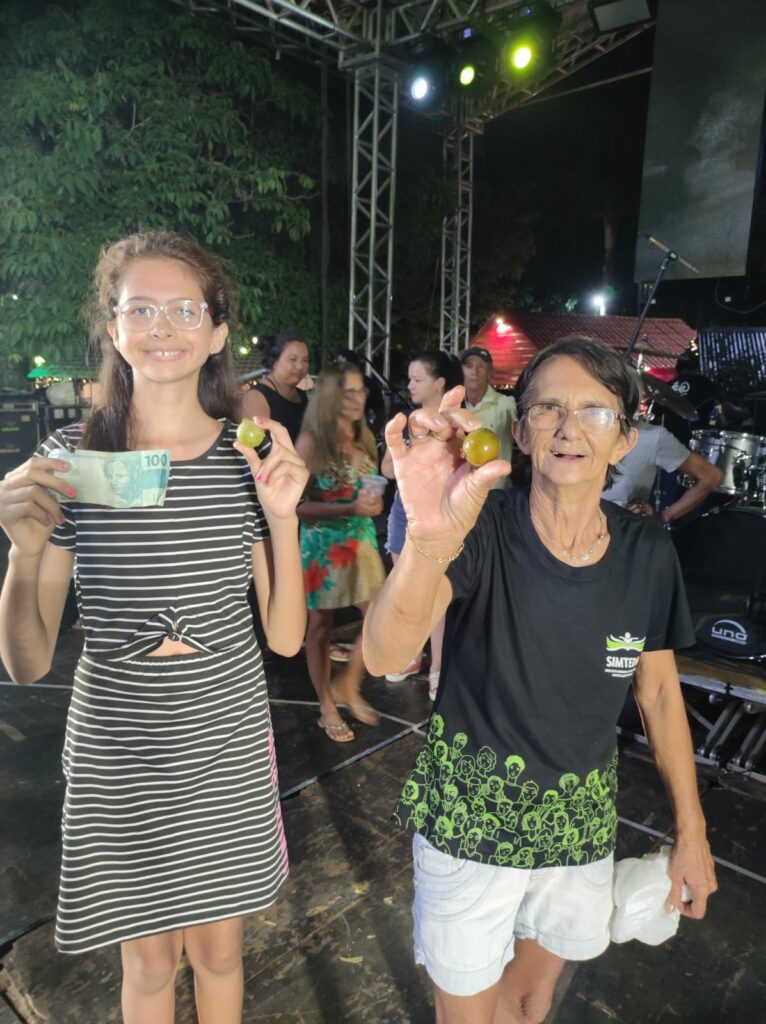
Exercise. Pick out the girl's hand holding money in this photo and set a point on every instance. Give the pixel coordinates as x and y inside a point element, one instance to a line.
<point>281,477</point>
<point>28,512</point>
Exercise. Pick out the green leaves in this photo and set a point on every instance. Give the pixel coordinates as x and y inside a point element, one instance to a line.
<point>128,114</point>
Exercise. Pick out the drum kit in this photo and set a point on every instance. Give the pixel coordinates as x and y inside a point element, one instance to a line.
<point>723,553</point>
<point>740,457</point>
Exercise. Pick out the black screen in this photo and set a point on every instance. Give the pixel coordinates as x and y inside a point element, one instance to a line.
<point>703,135</point>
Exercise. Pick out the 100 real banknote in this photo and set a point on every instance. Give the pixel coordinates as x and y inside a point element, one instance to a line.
<point>116,479</point>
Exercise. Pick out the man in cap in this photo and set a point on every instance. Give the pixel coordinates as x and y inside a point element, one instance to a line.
<point>495,409</point>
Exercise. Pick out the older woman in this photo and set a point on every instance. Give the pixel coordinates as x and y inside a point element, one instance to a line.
<point>556,601</point>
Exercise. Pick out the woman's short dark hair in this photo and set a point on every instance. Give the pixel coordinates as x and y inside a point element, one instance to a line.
<point>273,345</point>
<point>602,363</point>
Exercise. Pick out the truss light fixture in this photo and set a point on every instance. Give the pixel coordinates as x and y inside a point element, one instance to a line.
<point>521,55</point>
<point>475,61</point>
<point>420,87</point>
<point>527,48</point>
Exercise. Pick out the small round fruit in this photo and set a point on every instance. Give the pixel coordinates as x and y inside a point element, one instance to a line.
<point>481,446</point>
<point>250,434</point>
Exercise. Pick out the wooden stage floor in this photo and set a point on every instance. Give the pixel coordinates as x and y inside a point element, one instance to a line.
<point>336,947</point>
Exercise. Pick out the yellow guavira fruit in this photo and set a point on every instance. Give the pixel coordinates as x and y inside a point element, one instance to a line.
<point>481,446</point>
<point>250,434</point>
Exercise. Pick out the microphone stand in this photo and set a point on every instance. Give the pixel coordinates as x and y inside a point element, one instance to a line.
<point>670,257</point>
<point>389,391</point>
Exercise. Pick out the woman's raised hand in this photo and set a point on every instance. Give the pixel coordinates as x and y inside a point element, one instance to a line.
<point>442,495</point>
<point>281,477</point>
<point>28,512</point>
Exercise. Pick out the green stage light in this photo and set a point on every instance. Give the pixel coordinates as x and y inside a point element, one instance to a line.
<point>467,74</point>
<point>522,56</point>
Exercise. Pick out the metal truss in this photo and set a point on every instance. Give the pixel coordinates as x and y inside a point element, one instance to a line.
<point>371,39</point>
<point>455,320</point>
<point>373,194</point>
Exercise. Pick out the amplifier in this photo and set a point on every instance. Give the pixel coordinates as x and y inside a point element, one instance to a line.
<point>19,434</point>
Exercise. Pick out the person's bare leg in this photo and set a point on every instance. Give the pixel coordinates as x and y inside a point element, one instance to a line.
<point>437,642</point>
<point>215,954</point>
<point>526,988</point>
<point>318,636</point>
<point>476,1009</point>
<point>348,684</point>
<point>149,968</point>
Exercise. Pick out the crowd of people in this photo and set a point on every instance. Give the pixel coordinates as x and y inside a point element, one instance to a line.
<point>542,604</point>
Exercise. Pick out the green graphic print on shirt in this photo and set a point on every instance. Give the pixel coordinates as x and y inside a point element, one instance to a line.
<point>472,807</point>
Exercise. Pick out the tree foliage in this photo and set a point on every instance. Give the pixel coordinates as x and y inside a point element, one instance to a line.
<point>120,115</point>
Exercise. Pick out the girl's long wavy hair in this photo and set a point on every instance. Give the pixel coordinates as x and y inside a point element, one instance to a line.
<point>321,419</point>
<point>109,426</point>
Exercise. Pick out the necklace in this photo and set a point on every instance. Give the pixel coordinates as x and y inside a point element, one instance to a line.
<point>274,385</point>
<point>568,552</point>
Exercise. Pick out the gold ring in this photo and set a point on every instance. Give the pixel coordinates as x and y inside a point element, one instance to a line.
<point>420,437</point>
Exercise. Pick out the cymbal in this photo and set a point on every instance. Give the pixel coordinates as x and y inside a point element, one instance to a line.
<point>661,393</point>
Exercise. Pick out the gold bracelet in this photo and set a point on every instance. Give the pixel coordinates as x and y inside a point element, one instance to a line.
<point>439,561</point>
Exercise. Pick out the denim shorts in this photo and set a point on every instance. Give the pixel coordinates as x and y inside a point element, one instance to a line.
<point>467,915</point>
<point>397,526</point>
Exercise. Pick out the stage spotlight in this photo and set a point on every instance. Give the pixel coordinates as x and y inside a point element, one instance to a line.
<point>521,55</point>
<point>419,88</point>
<point>474,63</point>
<point>425,85</point>
<point>528,46</point>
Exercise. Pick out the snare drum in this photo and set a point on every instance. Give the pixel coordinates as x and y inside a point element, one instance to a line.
<point>738,456</point>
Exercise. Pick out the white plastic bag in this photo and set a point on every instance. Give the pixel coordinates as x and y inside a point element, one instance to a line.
<point>640,890</point>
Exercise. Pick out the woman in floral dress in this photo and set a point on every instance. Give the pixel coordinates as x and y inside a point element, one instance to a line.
<point>341,562</point>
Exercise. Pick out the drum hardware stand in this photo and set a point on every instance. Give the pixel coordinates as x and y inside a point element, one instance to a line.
<point>670,257</point>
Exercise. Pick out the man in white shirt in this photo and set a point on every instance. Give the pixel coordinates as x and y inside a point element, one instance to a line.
<point>495,409</point>
<point>655,447</point>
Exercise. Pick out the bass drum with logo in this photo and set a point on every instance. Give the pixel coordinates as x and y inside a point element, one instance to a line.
<point>723,560</point>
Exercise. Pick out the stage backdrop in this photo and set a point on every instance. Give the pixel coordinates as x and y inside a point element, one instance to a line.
<point>704,135</point>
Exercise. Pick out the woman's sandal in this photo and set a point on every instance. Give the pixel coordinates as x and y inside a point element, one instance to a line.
<point>338,732</point>
<point>433,684</point>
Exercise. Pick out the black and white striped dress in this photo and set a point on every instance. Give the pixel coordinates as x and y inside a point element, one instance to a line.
<point>171,816</point>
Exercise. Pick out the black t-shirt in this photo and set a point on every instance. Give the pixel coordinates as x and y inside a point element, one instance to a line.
<point>281,409</point>
<point>520,763</point>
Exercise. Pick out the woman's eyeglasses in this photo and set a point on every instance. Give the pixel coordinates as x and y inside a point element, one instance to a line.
<point>594,419</point>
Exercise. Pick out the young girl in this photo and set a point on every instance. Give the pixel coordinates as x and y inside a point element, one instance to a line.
<point>340,555</point>
<point>431,373</point>
<point>171,827</point>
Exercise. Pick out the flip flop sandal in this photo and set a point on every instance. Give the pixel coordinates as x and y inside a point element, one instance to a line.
<point>338,732</point>
<point>340,652</point>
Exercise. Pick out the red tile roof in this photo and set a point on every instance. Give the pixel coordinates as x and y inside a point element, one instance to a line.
<point>514,338</point>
